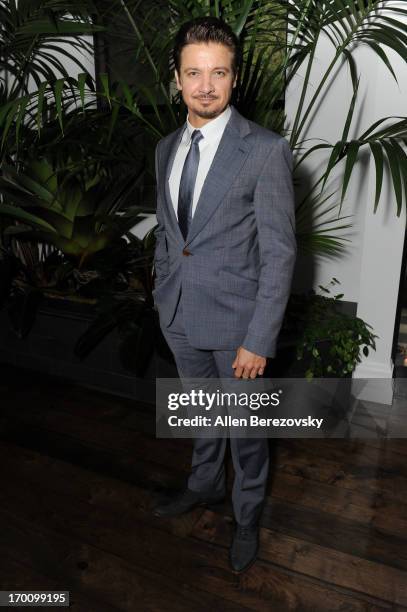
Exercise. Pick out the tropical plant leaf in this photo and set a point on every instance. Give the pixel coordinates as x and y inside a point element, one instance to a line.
<point>22,215</point>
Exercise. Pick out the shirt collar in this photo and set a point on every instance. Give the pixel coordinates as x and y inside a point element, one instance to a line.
<point>211,130</point>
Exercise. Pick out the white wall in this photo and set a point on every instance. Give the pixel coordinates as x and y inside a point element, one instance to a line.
<point>370,271</point>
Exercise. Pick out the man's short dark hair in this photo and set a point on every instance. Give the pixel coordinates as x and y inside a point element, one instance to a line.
<point>206,29</point>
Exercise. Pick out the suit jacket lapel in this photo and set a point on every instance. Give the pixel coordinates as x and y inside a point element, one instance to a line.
<point>230,155</point>
<point>172,147</point>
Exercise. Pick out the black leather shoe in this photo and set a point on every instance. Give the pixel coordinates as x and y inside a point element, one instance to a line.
<point>185,501</point>
<point>245,544</point>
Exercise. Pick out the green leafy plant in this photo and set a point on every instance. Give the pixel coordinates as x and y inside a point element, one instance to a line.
<point>121,271</point>
<point>63,223</point>
<point>33,37</point>
<point>328,340</point>
<point>33,56</point>
<point>77,213</point>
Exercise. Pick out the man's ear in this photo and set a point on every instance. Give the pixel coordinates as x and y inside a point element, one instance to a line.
<point>235,81</point>
<point>179,86</point>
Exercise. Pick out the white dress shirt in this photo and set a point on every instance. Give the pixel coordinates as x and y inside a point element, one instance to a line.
<point>212,133</point>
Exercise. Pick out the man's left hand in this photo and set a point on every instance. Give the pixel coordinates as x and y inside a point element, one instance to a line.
<point>248,364</point>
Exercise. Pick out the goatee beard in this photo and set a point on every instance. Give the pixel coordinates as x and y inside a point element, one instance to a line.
<point>207,114</point>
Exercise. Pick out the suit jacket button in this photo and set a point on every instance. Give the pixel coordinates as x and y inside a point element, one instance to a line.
<point>186,252</point>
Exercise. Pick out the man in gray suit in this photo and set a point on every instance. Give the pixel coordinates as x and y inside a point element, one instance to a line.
<point>224,259</point>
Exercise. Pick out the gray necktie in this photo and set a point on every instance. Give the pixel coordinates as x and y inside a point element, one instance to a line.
<point>187,183</point>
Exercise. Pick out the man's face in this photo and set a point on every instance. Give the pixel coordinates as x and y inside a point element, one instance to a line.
<point>206,80</point>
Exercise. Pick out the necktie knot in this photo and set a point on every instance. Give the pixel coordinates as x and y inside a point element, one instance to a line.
<point>196,136</point>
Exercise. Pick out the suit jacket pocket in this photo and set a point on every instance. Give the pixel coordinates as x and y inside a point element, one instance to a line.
<point>238,285</point>
<point>158,286</point>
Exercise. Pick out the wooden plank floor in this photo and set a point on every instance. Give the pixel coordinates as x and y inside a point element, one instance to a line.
<point>81,471</point>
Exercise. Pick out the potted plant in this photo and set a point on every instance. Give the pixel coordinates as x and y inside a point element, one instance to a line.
<point>318,339</point>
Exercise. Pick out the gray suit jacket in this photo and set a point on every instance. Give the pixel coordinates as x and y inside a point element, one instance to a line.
<point>236,265</point>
